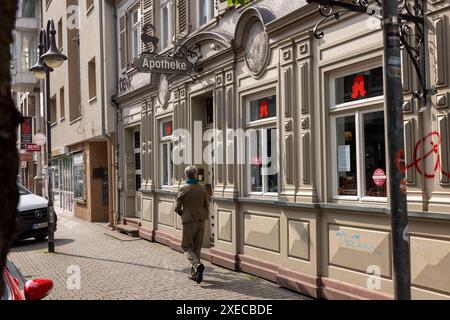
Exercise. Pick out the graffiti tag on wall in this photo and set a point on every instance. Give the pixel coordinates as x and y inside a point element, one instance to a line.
<point>125,84</point>
<point>430,144</point>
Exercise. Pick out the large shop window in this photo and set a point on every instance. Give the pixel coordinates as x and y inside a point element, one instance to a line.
<point>166,153</point>
<point>261,145</point>
<point>79,183</point>
<point>359,144</point>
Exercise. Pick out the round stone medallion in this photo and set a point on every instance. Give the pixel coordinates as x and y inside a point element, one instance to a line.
<point>163,90</point>
<point>256,49</point>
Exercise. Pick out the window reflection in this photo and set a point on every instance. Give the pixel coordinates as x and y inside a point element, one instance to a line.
<point>28,8</point>
<point>346,156</point>
<point>375,154</point>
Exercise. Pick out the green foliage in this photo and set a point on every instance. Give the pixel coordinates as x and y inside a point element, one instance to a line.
<point>236,2</point>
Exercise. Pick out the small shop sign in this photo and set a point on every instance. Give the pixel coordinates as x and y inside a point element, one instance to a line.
<point>31,147</point>
<point>26,131</point>
<point>40,139</point>
<point>26,157</point>
<point>358,86</point>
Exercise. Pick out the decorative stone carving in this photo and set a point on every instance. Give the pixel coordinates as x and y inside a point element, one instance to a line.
<point>304,123</point>
<point>219,80</point>
<point>288,125</point>
<point>407,106</point>
<point>163,90</point>
<point>229,77</point>
<point>256,49</point>
<point>442,100</point>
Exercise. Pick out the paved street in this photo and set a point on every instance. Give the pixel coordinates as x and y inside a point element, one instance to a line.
<point>114,266</point>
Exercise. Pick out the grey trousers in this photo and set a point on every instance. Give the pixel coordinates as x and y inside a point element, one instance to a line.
<point>192,242</point>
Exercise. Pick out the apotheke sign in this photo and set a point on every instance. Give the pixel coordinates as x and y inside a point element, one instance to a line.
<point>148,63</point>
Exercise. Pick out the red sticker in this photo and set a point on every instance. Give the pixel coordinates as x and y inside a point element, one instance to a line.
<point>379,177</point>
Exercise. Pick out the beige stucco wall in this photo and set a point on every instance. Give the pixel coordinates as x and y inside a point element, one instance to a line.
<point>333,246</point>
<point>88,125</point>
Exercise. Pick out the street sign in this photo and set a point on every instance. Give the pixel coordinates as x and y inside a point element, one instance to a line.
<point>152,63</point>
<point>31,147</point>
<point>40,139</point>
<point>181,60</point>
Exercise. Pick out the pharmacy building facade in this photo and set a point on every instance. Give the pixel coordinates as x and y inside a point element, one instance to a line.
<point>306,208</point>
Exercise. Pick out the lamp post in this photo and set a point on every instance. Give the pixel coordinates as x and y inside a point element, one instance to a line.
<point>49,59</point>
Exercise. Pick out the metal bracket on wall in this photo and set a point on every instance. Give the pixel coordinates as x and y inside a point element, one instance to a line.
<point>192,55</point>
<point>412,32</point>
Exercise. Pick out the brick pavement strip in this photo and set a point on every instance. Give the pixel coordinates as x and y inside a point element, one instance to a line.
<point>111,268</point>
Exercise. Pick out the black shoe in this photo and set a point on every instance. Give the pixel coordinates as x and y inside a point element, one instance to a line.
<point>199,273</point>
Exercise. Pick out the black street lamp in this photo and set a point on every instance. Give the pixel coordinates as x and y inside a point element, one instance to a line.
<point>49,58</point>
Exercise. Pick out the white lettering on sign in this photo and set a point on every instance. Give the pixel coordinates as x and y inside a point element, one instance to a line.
<point>162,64</point>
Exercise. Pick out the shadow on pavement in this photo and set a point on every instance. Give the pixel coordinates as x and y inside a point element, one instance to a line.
<point>118,261</point>
<point>31,245</point>
<point>230,283</point>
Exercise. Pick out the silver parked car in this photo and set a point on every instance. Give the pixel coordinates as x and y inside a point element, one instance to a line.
<point>32,215</point>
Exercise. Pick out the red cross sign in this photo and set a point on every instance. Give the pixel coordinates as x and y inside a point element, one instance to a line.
<point>358,88</point>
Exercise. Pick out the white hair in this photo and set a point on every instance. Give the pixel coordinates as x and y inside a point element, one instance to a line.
<point>191,172</point>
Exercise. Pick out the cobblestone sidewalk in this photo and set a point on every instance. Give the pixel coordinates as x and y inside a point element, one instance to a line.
<point>126,268</point>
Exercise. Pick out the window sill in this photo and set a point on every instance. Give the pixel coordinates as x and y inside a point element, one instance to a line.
<point>75,120</point>
<point>261,122</point>
<point>356,199</point>
<point>166,191</point>
<point>91,100</point>
<point>53,124</point>
<point>48,4</point>
<point>130,71</point>
<point>89,10</point>
<point>80,201</point>
<point>261,195</point>
<point>166,49</point>
<point>62,119</point>
<point>357,103</point>
<point>207,24</point>
<point>373,199</point>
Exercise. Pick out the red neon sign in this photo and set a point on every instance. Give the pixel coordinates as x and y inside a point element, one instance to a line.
<point>168,128</point>
<point>263,109</point>
<point>358,88</point>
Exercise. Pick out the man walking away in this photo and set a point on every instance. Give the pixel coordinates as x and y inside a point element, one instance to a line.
<point>192,205</point>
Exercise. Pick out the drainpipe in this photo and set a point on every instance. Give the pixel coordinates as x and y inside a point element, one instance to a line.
<point>103,106</point>
<point>117,136</point>
<point>117,166</point>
